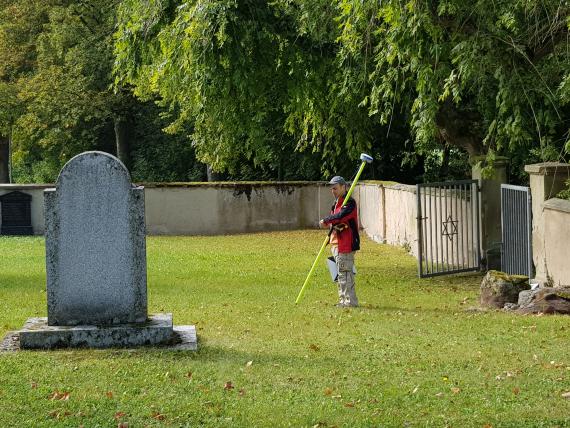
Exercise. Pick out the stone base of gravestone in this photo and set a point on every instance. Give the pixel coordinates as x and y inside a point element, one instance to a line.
<point>158,330</point>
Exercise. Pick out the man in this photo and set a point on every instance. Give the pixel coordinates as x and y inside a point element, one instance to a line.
<point>344,241</point>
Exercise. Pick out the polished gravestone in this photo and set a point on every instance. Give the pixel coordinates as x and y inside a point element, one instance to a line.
<point>16,208</point>
<point>96,263</point>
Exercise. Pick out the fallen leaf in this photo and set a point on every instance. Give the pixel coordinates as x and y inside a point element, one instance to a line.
<point>119,415</point>
<point>313,347</point>
<point>34,385</point>
<point>158,416</point>
<point>58,414</point>
<point>123,425</point>
<point>445,378</point>
<point>228,386</point>
<point>241,392</point>
<point>249,363</point>
<point>349,404</point>
<point>487,426</point>
<point>56,395</point>
<point>439,394</point>
<point>566,395</point>
<point>189,375</point>
<point>455,390</point>
<point>328,391</point>
<point>516,390</point>
<point>415,389</point>
<point>109,394</point>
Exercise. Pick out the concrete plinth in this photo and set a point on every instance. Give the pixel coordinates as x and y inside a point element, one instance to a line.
<point>37,334</point>
<point>490,185</point>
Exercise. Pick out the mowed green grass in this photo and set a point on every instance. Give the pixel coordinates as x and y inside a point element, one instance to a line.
<point>412,355</point>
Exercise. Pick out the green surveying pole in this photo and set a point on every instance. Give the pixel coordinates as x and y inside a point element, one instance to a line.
<point>365,159</point>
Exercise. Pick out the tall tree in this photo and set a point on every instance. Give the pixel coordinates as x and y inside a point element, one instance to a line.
<point>56,59</point>
<point>254,77</point>
<point>484,76</point>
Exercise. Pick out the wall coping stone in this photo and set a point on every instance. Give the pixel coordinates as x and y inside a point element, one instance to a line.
<point>205,184</point>
<point>548,168</point>
<point>16,186</point>
<point>390,185</point>
<point>557,204</point>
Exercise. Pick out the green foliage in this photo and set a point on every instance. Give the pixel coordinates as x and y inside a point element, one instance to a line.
<point>57,75</point>
<point>58,80</point>
<point>502,64</point>
<point>286,88</point>
<point>255,80</point>
<point>334,79</point>
<point>565,194</point>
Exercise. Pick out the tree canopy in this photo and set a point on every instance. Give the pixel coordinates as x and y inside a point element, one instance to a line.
<point>489,77</point>
<point>56,61</point>
<point>284,89</point>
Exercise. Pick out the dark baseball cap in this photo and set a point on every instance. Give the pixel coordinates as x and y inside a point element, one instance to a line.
<point>337,179</point>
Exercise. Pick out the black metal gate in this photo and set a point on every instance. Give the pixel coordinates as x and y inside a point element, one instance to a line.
<point>516,226</point>
<point>448,227</point>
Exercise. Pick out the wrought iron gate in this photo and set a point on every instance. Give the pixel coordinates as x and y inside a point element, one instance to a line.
<point>448,227</point>
<point>516,226</point>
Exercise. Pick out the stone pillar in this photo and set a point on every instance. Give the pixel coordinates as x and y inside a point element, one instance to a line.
<point>546,180</point>
<point>491,235</point>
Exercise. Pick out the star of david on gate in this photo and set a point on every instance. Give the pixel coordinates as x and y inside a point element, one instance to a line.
<point>449,228</point>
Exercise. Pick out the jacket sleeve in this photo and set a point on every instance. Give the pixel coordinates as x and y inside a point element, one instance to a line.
<point>340,216</point>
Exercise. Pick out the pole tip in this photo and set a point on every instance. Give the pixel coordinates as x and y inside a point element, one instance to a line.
<point>366,158</point>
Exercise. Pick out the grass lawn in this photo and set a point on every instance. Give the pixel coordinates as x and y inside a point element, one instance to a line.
<point>412,355</point>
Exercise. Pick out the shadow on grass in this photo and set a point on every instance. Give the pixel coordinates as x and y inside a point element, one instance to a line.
<point>162,355</point>
<point>21,282</point>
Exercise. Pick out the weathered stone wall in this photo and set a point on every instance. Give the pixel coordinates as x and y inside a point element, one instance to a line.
<point>221,208</point>
<point>216,208</point>
<point>556,243</point>
<point>388,213</point>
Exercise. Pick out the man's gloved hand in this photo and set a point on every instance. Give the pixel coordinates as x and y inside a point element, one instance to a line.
<point>322,224</point>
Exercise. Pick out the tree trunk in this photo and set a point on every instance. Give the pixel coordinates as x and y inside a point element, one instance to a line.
<point>212,175</point>
<point>4,159</point>
<point>280,167</point>
<point>122,140</point>
<point>444,168</point>
<point>458,128</point>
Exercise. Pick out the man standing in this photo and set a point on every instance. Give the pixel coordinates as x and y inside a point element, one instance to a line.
<point>344,240</point>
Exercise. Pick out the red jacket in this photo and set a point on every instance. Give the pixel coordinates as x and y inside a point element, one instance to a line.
<point>345,218</point>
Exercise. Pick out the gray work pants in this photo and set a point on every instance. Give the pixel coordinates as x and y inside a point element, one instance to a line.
<point>345,264</point>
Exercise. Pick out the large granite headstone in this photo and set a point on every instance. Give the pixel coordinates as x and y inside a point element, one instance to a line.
<point>96,263</point>
<point>95,244</point>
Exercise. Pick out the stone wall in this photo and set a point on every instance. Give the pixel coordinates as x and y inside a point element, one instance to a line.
<point>550,221</point>
<point>215,208</point>
<point>556,243</point>
<point>388,213</point>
